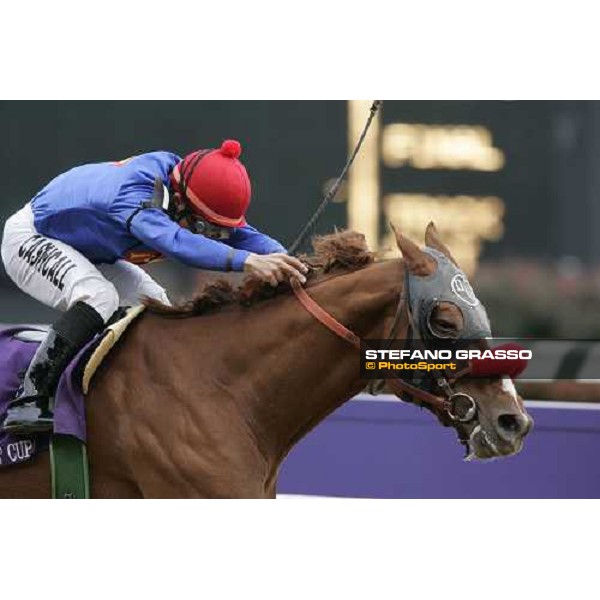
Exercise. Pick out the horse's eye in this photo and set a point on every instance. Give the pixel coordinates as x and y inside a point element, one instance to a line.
<point>443,328</point>
<point>445,321</point>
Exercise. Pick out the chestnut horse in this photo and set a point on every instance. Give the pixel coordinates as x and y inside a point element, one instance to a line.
<point>206,400</point>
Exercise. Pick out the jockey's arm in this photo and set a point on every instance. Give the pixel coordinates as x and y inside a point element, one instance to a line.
<point>250,239</point>
<point>156,230</point>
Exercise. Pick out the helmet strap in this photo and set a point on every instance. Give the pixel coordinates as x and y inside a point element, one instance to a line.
<point>178,209</point>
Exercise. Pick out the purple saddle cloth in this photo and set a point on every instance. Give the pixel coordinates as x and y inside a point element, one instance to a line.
<point>69,407</point>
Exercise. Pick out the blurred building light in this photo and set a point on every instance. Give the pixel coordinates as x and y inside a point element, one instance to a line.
<point>464,222</point>
<point>363,178</point>
<point>466,147</point>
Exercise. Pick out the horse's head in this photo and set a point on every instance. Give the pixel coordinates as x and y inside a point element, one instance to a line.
<point>443,306</point>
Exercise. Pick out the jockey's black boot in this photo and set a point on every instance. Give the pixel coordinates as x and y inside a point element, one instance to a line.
<point>30,411</point>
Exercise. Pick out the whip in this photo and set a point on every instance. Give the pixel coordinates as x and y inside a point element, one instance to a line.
<point>336,185</point>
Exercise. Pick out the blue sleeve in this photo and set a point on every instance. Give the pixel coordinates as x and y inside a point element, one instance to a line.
<point>252,240</point>
<point>154,229</point>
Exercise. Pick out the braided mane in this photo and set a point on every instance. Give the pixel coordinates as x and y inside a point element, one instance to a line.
<point>340,251</point>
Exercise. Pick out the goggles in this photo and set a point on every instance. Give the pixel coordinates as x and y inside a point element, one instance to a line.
<point>198,225</point>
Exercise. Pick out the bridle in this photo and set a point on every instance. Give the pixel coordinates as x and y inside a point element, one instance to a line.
<point>451,408</point>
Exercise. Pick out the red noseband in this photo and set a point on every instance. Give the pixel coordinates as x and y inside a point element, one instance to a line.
<point>487,367</point>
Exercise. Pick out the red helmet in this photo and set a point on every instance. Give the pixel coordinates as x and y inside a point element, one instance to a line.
<point>215,184</point>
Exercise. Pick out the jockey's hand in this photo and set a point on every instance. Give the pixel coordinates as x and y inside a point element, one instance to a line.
<point>275,268</point>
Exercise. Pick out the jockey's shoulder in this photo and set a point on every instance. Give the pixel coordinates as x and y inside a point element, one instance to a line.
<point>157,158</point>
<point>143,169</point>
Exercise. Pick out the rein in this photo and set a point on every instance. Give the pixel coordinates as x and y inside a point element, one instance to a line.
<point>443,407</point>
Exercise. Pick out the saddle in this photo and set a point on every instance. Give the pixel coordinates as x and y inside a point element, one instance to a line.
<point>17,347</point>
<point>111,335</point>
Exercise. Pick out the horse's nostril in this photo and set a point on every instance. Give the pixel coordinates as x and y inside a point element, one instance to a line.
<point>512,424</point>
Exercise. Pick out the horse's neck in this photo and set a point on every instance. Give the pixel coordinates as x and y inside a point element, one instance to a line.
<point>269,373</point>
<point>313,371</point>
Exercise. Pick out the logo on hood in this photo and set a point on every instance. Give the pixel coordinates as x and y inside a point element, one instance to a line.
<point>463,290</point>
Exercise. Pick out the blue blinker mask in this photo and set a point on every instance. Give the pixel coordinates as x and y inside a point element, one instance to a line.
<point>447,284</point>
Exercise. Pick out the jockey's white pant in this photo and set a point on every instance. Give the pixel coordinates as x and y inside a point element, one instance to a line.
<point>59,276</point>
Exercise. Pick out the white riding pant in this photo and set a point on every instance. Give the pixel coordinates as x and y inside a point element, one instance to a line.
<point>59,276</point>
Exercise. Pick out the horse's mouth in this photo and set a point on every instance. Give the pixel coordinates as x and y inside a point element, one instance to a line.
<point>483,444</point>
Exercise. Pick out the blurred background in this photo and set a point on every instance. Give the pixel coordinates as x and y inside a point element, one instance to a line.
<point>511,185</point>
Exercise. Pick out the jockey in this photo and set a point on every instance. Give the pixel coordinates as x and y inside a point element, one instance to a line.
<point>78,244</point>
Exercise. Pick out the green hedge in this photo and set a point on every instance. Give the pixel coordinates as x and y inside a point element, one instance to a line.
<point>529,299</point>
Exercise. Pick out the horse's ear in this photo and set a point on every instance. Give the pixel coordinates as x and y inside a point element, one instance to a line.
<point>433,240</point>
<point>418,262</point>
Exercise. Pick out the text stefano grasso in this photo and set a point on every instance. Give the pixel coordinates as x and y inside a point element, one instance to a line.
<point>452,354</point>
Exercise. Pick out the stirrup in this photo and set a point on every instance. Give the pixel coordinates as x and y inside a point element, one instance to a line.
<point>27,417</point>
